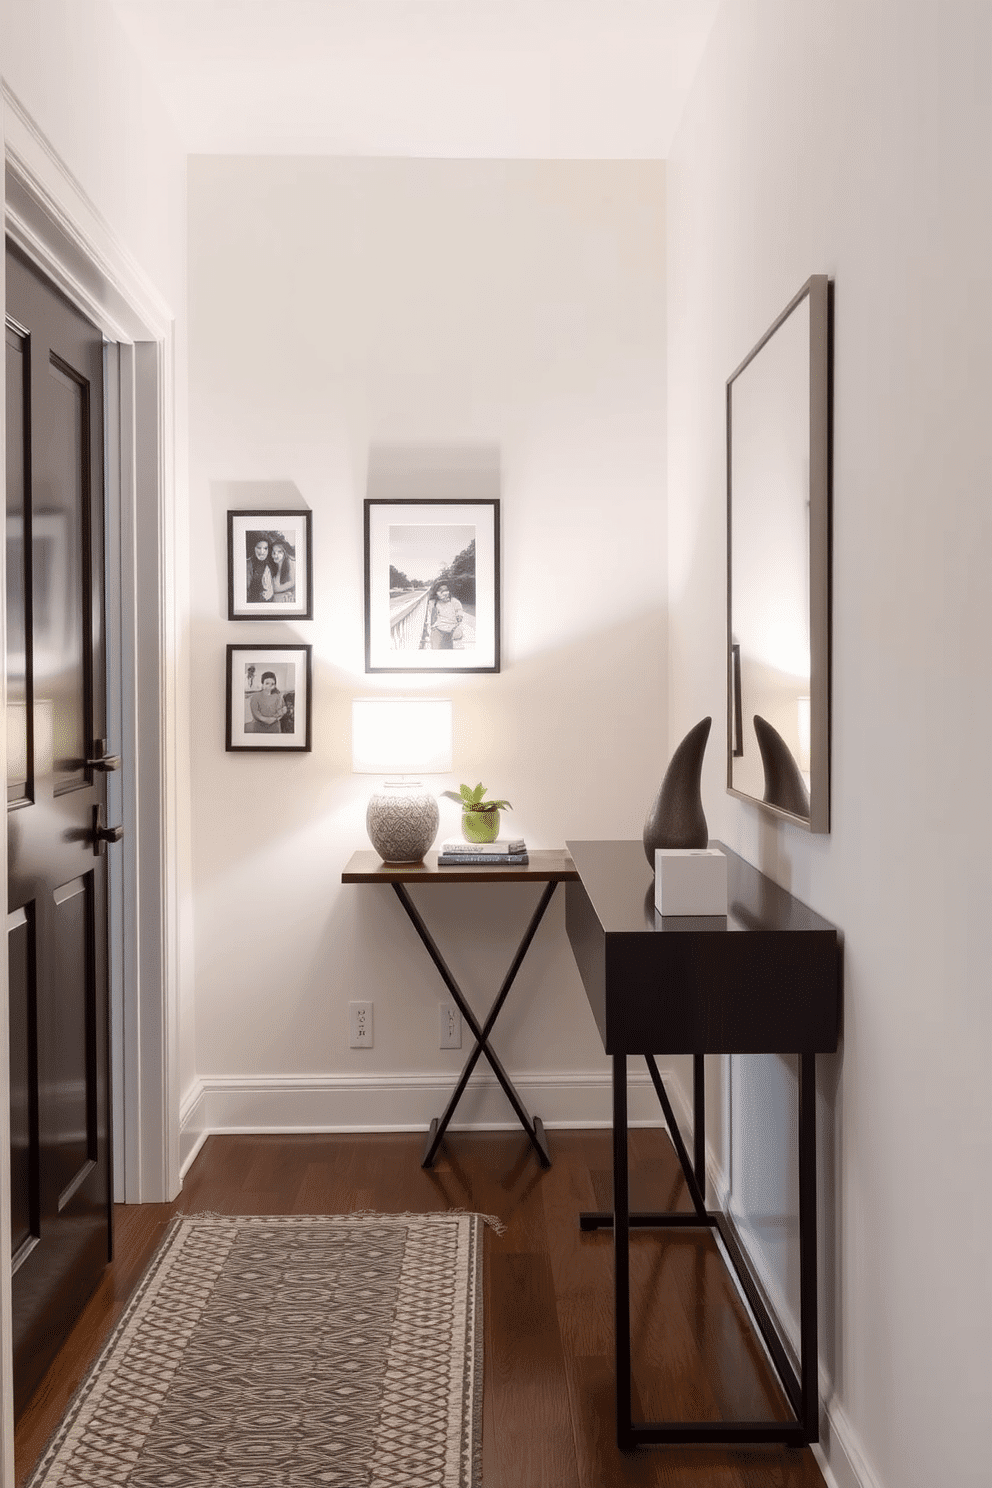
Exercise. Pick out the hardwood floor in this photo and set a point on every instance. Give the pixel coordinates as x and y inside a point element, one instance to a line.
<point>548,1307</point>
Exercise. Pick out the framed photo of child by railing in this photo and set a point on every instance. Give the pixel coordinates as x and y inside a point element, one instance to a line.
<point>431,586</point>
<point>269,565</point>
<point>268,697</point>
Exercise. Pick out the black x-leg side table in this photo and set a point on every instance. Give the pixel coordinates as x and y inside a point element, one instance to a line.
<point>546,867</point>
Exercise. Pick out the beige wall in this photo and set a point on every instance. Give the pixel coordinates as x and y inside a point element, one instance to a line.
<point>853,140</point>
<point>411,317</point>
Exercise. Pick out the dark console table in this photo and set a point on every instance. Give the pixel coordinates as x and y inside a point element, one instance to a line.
<point>764,979</point>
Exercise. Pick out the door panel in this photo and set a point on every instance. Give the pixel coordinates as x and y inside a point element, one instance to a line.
<point>69,1129</point>
<point>23,1085</point>
<point>60,548</point>
<point>57,907</point>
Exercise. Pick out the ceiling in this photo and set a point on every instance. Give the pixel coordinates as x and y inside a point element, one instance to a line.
<point>479,79</point>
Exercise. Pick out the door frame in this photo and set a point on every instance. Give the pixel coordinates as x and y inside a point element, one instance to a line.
<point>49,216</point>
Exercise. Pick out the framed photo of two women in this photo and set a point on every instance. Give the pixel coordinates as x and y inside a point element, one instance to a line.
<point>269,565</point>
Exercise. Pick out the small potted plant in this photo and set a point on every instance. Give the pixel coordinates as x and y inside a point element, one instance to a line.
<point>480,818</point>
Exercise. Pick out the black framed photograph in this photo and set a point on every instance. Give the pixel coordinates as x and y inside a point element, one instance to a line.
<point>431,586</point>
<point>269,565</point>
<point>268,697</point>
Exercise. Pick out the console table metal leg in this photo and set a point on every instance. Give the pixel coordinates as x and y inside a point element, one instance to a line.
<point>699,1120</point>
<point>533,1126</point>
<point>807,1246</point>
<point>621,1252</point>
<point>801,1388</point>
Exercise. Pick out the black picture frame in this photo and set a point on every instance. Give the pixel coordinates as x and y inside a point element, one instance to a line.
<point>413,548</point>
<point>259,587</point>
<point>292,670</point>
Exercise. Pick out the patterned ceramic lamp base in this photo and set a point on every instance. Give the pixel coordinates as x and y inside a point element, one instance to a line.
<point>402,821</point>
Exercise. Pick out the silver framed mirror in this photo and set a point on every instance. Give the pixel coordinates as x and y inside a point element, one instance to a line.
<point>778,565</point>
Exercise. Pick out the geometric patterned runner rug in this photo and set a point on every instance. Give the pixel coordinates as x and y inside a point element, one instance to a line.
<point>332,1351</point>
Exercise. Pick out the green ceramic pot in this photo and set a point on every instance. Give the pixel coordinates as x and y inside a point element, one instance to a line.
<point>480,826</point>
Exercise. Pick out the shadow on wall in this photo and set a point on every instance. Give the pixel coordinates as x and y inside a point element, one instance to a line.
<point>428,472</point>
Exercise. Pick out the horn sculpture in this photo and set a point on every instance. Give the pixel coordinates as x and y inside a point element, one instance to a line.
<point>676,819</point>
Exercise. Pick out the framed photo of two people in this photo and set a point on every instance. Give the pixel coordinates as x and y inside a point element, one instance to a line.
<point>431,586</point>
<point>269,565</point>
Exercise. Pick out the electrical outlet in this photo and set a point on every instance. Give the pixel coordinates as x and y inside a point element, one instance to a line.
<point>360,1024</point>
<point>451,1026</point>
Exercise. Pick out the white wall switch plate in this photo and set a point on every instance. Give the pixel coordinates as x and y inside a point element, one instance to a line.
<point>690,881</point>
<point>360,1024</point>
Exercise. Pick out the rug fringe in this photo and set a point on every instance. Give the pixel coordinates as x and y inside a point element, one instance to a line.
<point>492,1221</point>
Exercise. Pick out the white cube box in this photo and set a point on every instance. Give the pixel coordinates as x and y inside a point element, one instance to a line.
<point>690,881</point>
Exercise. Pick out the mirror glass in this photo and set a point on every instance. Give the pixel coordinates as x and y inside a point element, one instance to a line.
<point>778,699</point>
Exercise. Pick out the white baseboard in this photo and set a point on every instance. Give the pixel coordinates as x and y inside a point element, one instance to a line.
<point>408,1101</point>
<point>839,1453</point>
<point>404,1101</point>
<point>192,1131</point>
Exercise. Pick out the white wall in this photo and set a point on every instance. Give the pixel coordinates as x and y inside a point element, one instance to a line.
<point>833,137</point>
<point>70,64</point>
<point>415,320</point>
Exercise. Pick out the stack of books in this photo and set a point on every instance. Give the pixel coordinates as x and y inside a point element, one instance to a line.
<point>454,852</point>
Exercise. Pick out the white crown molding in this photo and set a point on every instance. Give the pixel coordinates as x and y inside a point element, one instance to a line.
<point>75,244</point>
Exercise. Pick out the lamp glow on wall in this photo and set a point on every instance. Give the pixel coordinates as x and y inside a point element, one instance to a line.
<point>408,737</point>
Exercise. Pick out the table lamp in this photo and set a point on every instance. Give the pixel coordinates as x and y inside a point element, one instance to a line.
<point>406,737</point>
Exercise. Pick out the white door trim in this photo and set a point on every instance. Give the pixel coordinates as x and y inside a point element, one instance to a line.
<point>6,1331</point>
<point>50,217</point>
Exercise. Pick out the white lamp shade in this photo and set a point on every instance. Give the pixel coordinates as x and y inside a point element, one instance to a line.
<point>401,736</point>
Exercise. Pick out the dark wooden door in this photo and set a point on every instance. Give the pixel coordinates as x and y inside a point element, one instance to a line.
<point>61,1200</point>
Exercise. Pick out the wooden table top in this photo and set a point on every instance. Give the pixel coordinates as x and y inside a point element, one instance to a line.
<point>547,865</point>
